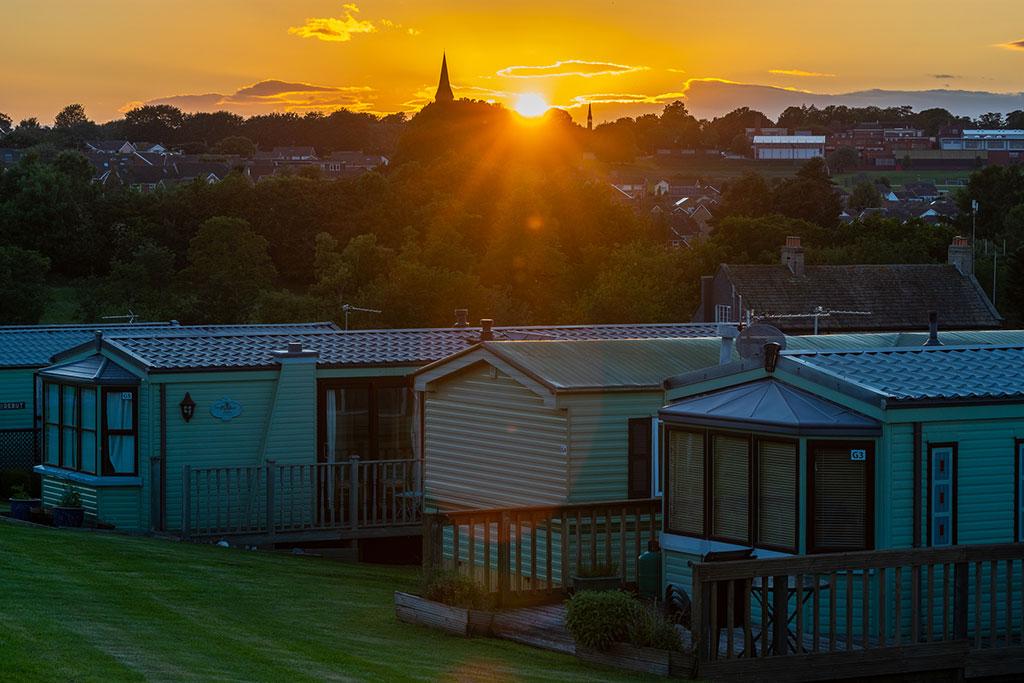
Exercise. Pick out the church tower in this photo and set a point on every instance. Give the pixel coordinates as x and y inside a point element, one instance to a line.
<point>590,117</point>
<point>444,88</point>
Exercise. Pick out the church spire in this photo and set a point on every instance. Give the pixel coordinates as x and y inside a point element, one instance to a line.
<point>590,117</point>
<point>444,88</point>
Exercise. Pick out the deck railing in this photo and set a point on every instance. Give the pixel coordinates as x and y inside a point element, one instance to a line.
<point>861,613</point>
<point>527,553</point>
<point>272,499</point>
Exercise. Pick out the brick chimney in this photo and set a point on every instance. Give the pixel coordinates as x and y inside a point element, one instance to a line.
<point>793,256</point>
<point>961,255</point>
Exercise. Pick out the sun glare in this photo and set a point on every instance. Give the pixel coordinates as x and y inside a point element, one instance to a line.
<point>531,104</point>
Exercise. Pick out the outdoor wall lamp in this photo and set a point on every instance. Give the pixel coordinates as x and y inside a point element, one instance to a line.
<point>188,407</point>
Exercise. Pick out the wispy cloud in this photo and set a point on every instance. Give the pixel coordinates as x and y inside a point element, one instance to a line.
<point>569,67</point>
<point>801,73</point>
<point>1013,45</point>
<point>945,77</point>
<point>273,95</point>
<point>334,29</point>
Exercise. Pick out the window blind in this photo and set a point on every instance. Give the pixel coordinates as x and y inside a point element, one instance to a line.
<point>840,499</point>
<point>777,494</point>
<point>686,482</point>
<point>730,481</point>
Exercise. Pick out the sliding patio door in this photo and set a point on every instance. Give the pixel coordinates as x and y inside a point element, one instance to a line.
<point>374,420</point>
<point>841,496</point>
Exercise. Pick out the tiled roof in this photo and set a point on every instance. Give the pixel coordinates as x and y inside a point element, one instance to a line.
<point>35,345</point>
<point>96,369</point>
<point>928,373</point>
<point>896,296</point>
<point>360,348</point>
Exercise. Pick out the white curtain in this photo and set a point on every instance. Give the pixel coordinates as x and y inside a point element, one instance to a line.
<point>120,448</point>
<point>332,423</point>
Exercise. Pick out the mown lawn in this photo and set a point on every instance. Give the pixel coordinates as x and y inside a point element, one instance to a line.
<point>81,606</point>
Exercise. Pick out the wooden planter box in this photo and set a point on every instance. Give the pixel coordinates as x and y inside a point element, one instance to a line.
<point>596,583</point>
<point>414,609</point>
<point>642,659</point>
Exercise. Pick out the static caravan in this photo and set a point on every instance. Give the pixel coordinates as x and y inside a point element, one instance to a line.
<point>850,457</point>
<point>251,431</point>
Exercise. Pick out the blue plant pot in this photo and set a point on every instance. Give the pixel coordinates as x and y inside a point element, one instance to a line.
<point>68,517</point>
<point>22,509</point>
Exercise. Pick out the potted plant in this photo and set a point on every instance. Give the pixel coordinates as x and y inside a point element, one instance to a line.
<point>70,512</point>
<point>598,577</point>
<point>22,503</point>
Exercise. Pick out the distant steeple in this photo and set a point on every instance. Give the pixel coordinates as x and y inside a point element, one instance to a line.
<point>590,117</point>
<point>444,88</point>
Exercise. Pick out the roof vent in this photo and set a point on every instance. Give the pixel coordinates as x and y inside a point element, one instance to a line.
<point>294,347</point>
<point>99,339</point>
<point>933,329</point>
<point>771,356</point>
<point>461,317</point>
<point>486,331</point>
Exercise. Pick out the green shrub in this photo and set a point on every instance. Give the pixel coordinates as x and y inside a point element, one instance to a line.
<point>71,499</point>
<point>598,571</point>
<point>19,492</point>
<point>596,619</point>
<point>13,479</point>
<point>650,628</point>
<point>455,589</point>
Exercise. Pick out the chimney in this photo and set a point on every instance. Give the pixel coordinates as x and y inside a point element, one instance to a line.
<point>728,333</point>
<point>486,334</point>
<point>793,256</point>
<point>771,356</point>
<point>933,330</point>
<point>707,297</point>
<point>961,255</point>
<point>461,317</point>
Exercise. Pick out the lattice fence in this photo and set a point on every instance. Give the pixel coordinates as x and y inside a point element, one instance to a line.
<point>18,449</point>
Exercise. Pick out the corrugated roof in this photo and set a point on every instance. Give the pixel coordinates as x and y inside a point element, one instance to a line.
<point>607,364</point>
<point>769,406</point>
<point>360,348</point>
<point>34,346</point>
<point>923,373</point>
<point>877,340</point>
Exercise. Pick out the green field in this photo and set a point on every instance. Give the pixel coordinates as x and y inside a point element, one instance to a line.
<point>85,606</point>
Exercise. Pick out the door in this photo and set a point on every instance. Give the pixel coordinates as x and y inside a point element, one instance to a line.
<point>640,458</point>
<point>840,496</point>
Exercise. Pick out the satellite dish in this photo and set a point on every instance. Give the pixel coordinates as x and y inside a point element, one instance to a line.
<point>751,341</point>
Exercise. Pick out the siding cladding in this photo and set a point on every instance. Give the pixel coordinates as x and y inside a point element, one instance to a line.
<point>599,441</point>
<point>491,442</point>
<point>207,441</point>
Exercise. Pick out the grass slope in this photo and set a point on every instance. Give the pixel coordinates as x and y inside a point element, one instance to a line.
<point>80,606</point>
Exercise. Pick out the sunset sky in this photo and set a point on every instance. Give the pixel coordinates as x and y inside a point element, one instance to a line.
<point>383,56</point>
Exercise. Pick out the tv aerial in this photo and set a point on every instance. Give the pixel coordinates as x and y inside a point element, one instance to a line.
<point>129,317</point>
<point>349,308</point>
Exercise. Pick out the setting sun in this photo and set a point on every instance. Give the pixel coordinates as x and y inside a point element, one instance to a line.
<point>531,104</point>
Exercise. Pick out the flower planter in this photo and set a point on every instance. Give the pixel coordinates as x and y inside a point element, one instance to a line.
<point>414,609</point>
<point>596,583</point>
<point>21,508</point>
<point>642,659</point>
<point>68,517</point>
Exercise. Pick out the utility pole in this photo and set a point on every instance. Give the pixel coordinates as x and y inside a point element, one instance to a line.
<point>974,223</point>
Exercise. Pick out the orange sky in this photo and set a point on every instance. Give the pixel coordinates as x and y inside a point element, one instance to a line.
<point>383,55</point>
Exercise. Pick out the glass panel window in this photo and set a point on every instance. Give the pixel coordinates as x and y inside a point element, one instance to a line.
<point>348,423</point>
<point>941,503</point>
<point>121,453</point>
<point>119,448</point>
<point>51,423</point>
<point>394,423</point>
<point>842,497</point>
<point>119,409</point>
<point>730,488</point>
<point>686,482</point>
<point>777,464</point>
<point>88,399</point>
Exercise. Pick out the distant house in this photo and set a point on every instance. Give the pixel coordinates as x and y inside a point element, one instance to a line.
<point>10,156</point>
<point>788,147</point>
<point>848,298</point>
<point>110,146</point>
<point>289,154</point>
<point>988,140</point>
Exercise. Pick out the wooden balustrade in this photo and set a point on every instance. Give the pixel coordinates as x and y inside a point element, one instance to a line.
<point>530,553</point>
<point>886,611</point>
<point>275,499</point>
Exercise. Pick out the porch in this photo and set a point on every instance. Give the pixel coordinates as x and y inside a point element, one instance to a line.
<point>281,503</point>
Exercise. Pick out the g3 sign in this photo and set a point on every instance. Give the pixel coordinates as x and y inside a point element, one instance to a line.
<point>858,454</point>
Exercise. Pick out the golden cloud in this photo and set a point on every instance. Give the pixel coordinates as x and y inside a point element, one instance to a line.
<point>273,95</point>
<point>801,73</point>
<point>334,29</point>
<point>569,67</point>
<point>1012,45</point>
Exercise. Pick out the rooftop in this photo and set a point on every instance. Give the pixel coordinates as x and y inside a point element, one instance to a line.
<point>789,139</point>
<point>235,349</point>
<point>934,373</point>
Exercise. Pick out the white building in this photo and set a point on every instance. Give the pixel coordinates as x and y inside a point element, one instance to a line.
<point>984,140</point>
<point>769,147</point>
